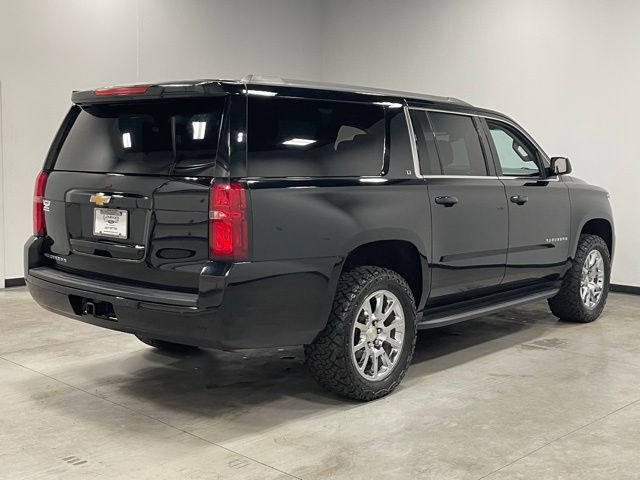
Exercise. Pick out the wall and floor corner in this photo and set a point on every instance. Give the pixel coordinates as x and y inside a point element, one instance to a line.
<point>566,71</point>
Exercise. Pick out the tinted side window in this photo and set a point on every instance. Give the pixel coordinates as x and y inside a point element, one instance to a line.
<point>516,156</point>
<point>314,138</point>
<point>426,143</point>
<point>458,144</point>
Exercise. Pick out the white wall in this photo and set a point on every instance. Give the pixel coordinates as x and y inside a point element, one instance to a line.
<point>2,234</point>
<point>568,71</point>
<point>49,48</point>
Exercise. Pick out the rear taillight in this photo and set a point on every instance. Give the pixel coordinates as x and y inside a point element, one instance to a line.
<point>127,90</point>
<point>39,225</point>
<point>228,223</point>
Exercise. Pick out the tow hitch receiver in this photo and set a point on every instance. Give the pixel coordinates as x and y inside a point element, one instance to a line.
<point>95,308</point>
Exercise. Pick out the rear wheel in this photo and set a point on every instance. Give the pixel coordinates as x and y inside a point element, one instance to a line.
<point>168,347</point>
<point>585,288</point>
<point>367,345</point>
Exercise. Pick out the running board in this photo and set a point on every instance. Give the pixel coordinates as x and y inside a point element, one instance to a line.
<point>454,315</point>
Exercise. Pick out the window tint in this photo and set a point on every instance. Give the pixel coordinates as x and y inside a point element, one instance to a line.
<point>516,157</point>
<point>312,138</point>
<point>426,143</point>
<point>458,144</point>
<point>150,138</point>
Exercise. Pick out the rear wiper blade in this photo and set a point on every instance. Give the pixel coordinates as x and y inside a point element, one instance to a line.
<point>194,166</point>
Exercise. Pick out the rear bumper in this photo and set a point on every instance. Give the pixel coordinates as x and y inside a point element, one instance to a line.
<point>243,305</point>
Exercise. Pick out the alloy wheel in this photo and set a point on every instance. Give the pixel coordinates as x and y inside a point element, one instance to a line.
<point>592,279</point>
<point>378,335</point>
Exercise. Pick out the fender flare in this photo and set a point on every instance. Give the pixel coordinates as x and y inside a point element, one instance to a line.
<point>387,234</point>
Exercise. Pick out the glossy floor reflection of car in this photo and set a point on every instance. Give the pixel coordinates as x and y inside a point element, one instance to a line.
<point>513,395</point>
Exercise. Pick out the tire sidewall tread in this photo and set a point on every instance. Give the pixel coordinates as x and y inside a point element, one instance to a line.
<point>567,304</point>
<point>329,356</point>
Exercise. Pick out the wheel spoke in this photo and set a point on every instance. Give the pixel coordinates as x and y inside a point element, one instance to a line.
<point>390,308</point>
<point>394,343</point>
<point>585,294</point>
<point>360,326</point>
<point>367,309</point>
<point>379,299</point>
<point>365,360</point>
<point>374,366</point>
<point>360,345</point>
<point>386,361</point>
<point>397,324</point>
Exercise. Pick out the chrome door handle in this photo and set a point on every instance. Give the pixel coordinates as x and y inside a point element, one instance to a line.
<point>446,200</point>
<point>519,199</point>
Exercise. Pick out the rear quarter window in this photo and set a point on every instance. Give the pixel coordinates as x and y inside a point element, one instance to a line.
<point>153,138</point>
<point>314,138</point>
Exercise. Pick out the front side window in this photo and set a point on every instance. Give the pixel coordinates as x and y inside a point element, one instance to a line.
<point>458,144</point>
<point>516,157</point>
<point>314,138</point>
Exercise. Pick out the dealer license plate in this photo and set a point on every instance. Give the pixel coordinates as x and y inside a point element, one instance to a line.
<point>109,222</point>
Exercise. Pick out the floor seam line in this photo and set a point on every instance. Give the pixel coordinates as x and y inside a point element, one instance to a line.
<point>151,418</point>
<point>559,438</point>
<point>557,349</point>
<point>607,359</point>
<point>573,352</point>
<point>11,352</point>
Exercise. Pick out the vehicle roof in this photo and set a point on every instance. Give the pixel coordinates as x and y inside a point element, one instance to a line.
<point>219,86</point>
<point>262,80</point>
<point>339,87</point>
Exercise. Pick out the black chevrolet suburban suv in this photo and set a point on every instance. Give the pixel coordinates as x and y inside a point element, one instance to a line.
<point>265,213</point>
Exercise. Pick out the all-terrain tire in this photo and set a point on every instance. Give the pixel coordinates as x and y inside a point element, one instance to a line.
<point>168,347</point>
<point>329,357</point>
<point>567,304</point>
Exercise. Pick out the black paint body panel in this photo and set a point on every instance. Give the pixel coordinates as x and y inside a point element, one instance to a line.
<point>302,231</point>
<point>469,240</point>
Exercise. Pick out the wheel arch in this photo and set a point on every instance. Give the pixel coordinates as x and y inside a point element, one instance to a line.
<point>601,227</point>
<point>398,254</point>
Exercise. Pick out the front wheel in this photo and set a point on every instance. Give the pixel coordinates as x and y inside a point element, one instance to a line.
<point>367,345</point>
<point>584,290</point>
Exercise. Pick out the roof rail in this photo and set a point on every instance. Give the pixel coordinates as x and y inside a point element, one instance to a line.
<point>254,78</point>
<point>273,80</point>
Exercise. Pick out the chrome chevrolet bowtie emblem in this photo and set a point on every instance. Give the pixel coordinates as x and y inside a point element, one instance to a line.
<point>100,199</point>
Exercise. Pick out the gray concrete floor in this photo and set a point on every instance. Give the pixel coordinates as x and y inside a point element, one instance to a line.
<point>512,395</point>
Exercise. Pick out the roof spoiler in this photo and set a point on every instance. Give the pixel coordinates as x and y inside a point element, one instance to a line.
<point>148,92</point>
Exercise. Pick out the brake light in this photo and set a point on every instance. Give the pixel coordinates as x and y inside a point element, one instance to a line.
<point>228,223</point>
<point>39,225</point>
<point>130,90</point>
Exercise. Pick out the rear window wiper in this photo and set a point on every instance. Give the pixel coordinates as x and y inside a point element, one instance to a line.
<point>194,166</point>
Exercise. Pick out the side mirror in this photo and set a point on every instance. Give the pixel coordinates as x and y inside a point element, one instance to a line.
<point>560,166</point>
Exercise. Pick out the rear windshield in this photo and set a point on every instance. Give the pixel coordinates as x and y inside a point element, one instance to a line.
<point>160,138</point>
